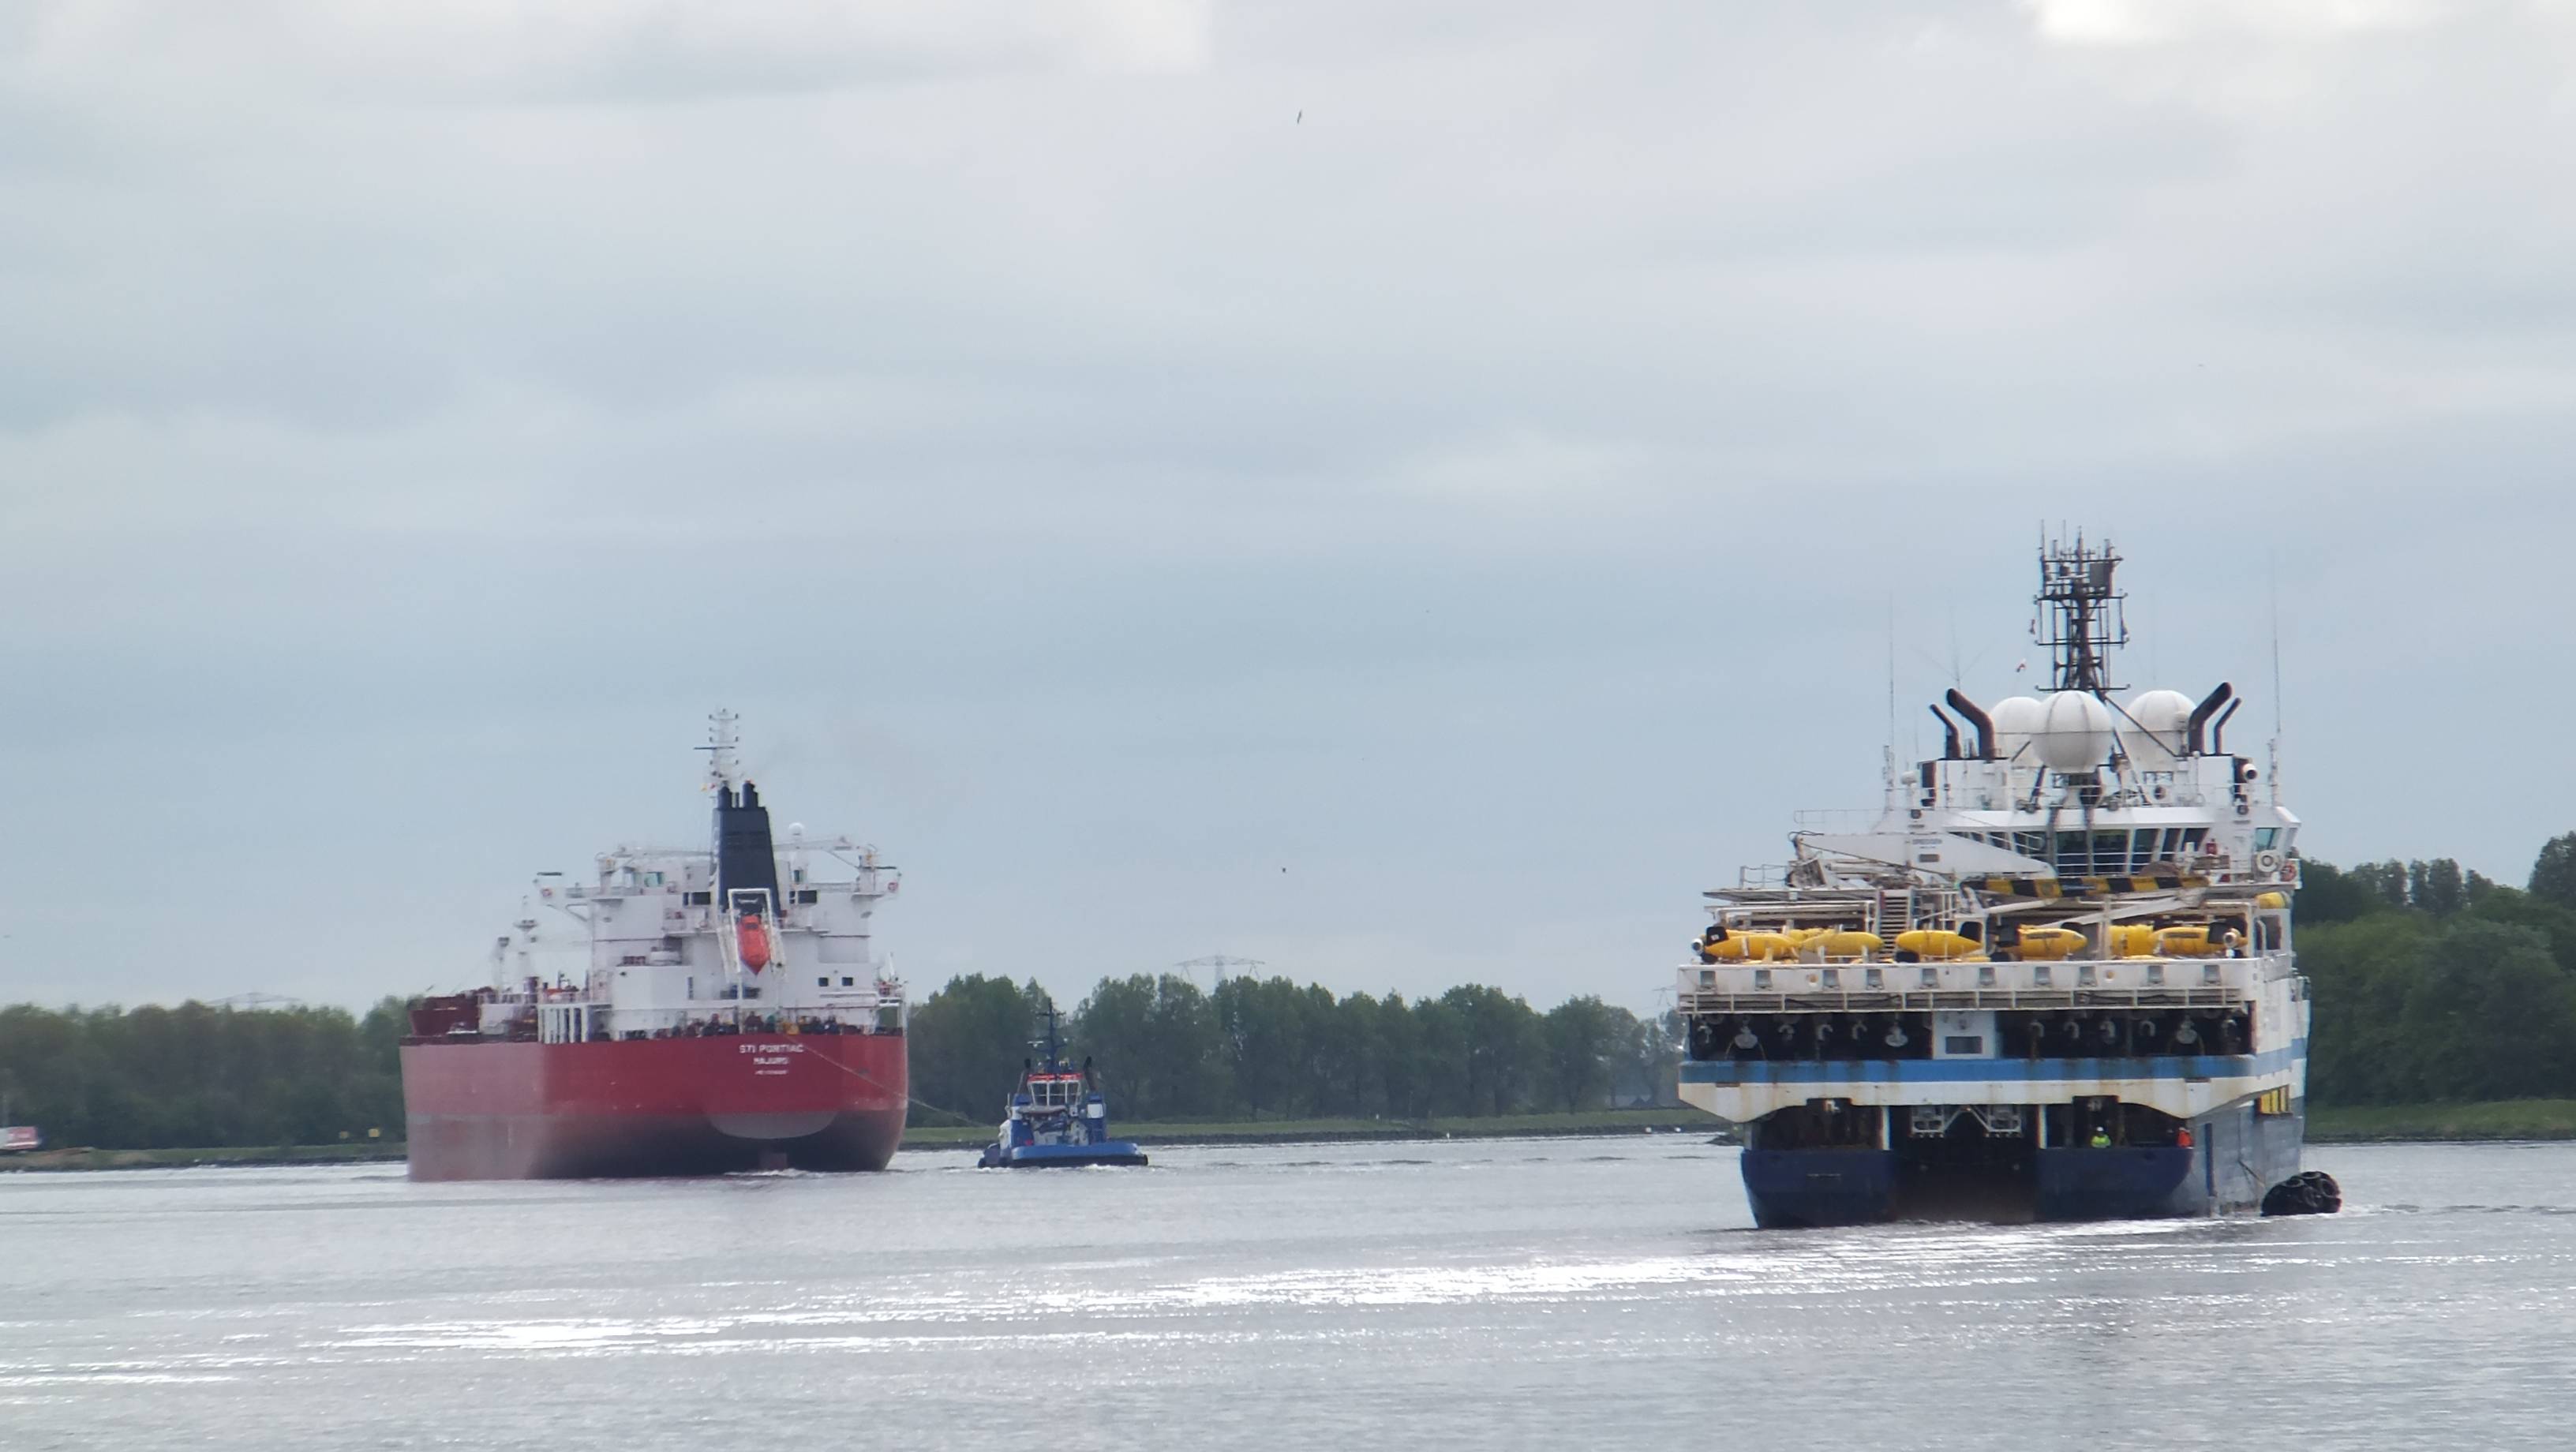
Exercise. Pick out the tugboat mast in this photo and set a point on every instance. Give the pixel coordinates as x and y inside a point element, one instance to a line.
<point>1054,1055</point>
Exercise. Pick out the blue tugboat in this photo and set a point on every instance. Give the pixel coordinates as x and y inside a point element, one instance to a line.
<point>1056,1119</point>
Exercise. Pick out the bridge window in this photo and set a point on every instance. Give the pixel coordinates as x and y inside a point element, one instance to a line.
<point>2110,852</point>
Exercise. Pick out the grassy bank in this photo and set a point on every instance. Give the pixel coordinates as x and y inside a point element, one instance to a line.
<point>1267,1131</point>
<point>2388,1123</point>
<point>1326,1131</point>
<point>166,1159</point>
<point>2501,1119</point>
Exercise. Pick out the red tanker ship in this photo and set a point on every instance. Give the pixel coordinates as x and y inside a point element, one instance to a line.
<point>731,1018</point>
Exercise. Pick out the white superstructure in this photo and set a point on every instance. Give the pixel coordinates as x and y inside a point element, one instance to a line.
<point>2078,911</point>
<point>748,933</point>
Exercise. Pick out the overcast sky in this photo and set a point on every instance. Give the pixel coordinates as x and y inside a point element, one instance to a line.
<point>1430,540</point>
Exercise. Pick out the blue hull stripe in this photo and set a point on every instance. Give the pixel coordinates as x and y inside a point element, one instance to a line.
<point>1964,1071</point>
<point>1103,1152</point>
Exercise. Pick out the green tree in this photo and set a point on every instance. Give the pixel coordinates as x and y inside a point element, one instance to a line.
<point>1268,1043</point>
<point>2363,1049</point>
<point>2553,872</point>
<point>2496,1013</point>
<point>1159,1051</point>
<point>195,1076</point>
<point>2328,894</point>
<point>1405,1070</point>
<point>1350,1057</point>
<point>2385,881</point>
<point>1648,1068</point>
<point>1583,1039</point>
<point>969,1042</point>
<point>1501,1048</point>
<point>2436,886</point>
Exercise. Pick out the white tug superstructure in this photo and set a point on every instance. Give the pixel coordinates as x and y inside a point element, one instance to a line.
<point>2051,978</point>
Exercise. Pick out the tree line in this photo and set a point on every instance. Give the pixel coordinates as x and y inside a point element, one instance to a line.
<point>208,1076</point>
<point>2430,983</point>
<point>1265,1048</point>
<point>202,1076</point>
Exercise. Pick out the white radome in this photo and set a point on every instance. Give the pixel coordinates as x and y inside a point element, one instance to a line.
<point>2164,715</point>
<point>2074,731</point>
<point>2015,717</point>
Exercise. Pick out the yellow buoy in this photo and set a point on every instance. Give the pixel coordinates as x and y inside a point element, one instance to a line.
<point>1749,947</point>
<point>1937,945</point>
<point>2047,945</point>
<point>2188,942</point>
<point>2133,940</point>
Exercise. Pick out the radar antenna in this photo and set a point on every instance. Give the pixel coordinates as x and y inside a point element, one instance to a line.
<point>2082,614</point>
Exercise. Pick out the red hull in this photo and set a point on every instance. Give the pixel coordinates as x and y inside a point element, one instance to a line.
<point>485,1110</point>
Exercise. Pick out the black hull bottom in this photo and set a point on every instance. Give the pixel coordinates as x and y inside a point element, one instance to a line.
<point>2238,1156</point>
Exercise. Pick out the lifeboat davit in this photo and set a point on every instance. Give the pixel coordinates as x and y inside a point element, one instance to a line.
<point>752,939</point>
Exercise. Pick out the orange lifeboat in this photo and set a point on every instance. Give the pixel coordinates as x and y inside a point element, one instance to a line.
<point>753,941</point>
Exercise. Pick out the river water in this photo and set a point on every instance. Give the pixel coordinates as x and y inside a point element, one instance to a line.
<point>1593,1293</point>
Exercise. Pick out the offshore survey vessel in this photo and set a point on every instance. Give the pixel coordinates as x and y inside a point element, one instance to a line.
<point>2051,978</point>
<point>732,1017</point>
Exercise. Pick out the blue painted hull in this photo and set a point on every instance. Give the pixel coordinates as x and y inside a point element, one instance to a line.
<point>1061,1156</point>
<point>2238,1155</point>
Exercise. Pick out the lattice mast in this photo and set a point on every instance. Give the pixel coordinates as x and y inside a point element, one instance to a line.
<point>2082,615</point>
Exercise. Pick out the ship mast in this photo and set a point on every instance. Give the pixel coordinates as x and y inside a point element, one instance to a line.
<point>723,768</point>
<point>2082,614</point>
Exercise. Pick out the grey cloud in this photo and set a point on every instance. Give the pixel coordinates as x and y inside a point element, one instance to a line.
<point>1484,499</point>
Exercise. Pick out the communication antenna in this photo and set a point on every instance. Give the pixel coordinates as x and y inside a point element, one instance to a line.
<point>2272,766</point>
<point>2083,615</point>
<point>1887,754</point>
<point>1220,967</point>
